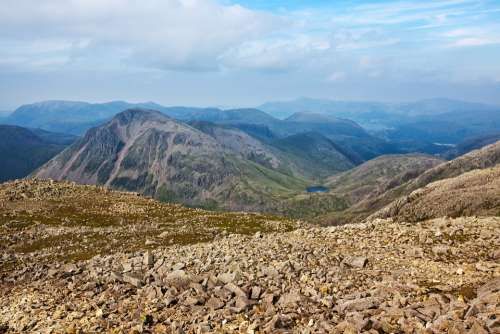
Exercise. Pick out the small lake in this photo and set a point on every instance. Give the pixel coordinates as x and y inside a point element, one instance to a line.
<point>317,189</point>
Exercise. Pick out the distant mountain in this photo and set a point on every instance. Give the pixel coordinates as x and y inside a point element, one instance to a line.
<point>77,117</point>
<point>415,125</point>
<point>64,116</point>
<point>201,164</point>
<point>3,116</point>
<point>4,113</point>
<point>446,128</point>
<point>328,125</point>
<point>231,116</point>
<point>54,137</point>
<point>23,150</point>
<point>360,109</point>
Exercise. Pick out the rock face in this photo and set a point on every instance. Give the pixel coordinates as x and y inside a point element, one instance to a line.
<point>363,278</point>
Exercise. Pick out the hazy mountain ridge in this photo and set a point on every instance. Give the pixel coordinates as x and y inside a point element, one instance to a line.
<point>350,108</point>
<point>426,121</point>
<point>470,144</point>
<point>77,117</point>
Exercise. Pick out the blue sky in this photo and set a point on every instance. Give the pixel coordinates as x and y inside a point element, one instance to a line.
<point>243,53</point>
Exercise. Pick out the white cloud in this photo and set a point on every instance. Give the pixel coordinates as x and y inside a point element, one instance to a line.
<point>275,54</point>
<point>473,36</point>
<point>168,34</point>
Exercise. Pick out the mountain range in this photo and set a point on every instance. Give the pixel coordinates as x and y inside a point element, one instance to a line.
<point>245,159</point>
<point>414,123</point>
<point>368,129</point>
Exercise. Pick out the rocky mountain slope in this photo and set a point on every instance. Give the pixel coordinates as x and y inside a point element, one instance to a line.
<point>149,152</point>
<point>23,150</point>
<point>487,157</point>
<point>86,259</point>
<point>475,193</point>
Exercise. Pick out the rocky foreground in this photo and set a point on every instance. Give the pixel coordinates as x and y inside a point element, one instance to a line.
<point>438,276</point>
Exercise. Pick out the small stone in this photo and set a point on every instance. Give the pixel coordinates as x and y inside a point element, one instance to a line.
<point>178,278</point>
<point>134,280</point>
<point>356,262</point>
<point>179,266</point>
<point>440,250</point>
<point>148,260</point>
<point>360,304</point>
<point>116,276</point>
<point>215,303</point>
<point>477,329</point>
<point>235,289</point>
<point>150,242</point>
<point>291,299</point>
<point>255,293</point>
<point>226,277</point>
<point>242,303</point>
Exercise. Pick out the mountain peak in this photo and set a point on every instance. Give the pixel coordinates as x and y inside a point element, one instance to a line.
<point>139,114</point>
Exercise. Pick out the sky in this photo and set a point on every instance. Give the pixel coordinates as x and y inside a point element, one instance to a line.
<point>244,53</point>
